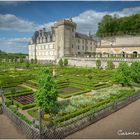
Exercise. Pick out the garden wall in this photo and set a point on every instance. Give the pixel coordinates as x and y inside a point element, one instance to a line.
<point>91,62</point>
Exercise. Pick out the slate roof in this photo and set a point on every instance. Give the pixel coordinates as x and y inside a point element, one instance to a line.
<point>36,34</point>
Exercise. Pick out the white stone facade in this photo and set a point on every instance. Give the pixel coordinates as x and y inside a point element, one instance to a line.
<point>120,44</point>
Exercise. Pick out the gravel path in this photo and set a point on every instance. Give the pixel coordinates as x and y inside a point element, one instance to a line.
<point>8,130</point>
<point>125,120</point>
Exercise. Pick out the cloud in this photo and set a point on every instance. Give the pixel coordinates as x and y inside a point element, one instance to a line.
<point>86,21</point>
<point>11,22</point>
<point>14,44</point>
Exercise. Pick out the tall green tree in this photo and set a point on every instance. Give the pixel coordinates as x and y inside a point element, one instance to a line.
<point>115,25</point>
<point>46,95</point>
<point>122,74</point>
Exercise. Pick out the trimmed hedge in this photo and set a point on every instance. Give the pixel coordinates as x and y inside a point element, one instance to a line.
<point>72,94</point>
<point>122,94</point>
<point>23,107</point>
<point>19,94</point>
<point>80,111</point>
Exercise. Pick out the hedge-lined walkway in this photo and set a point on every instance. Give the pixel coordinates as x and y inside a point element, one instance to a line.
<point>8,130</point>
<point>126,119</point>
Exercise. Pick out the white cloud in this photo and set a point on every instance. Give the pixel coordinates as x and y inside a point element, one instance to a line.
<point>11,22</point>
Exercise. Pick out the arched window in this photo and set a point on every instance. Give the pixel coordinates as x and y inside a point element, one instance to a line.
<point>123,54</point>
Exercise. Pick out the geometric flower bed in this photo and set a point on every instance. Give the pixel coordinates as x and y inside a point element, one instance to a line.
<point>25,99</point>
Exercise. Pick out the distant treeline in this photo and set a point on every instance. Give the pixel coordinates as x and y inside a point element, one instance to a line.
<point>115,25</point>
<point>4,55</point>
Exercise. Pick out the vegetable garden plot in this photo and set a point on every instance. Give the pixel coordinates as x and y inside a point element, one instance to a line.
<point>26,99</point>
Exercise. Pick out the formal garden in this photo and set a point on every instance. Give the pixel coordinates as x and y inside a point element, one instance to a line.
<point>62,92</point>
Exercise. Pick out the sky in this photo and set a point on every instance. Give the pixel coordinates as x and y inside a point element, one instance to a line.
<point>19,19</point>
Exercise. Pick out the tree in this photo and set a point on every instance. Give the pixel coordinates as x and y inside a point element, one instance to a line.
<point>114,25</point>
<point>122,74</point>
<point>110,65</point>
<point>65,62</point>
<point>46,95</point>
<point>135,71</point>
<point>98,64</point>
<point>60,62</point>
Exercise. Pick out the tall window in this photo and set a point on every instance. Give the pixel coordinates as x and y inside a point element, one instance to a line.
<point>78,47</point>
<point>72,46</point>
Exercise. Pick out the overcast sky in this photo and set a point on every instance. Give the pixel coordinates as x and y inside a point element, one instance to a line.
<point>19,20</point>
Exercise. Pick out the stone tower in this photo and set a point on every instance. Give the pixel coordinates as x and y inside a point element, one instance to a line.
<point>65,37</point>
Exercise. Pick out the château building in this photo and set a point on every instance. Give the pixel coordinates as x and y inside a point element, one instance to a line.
<point>64,41</point>
<point>61,41</point>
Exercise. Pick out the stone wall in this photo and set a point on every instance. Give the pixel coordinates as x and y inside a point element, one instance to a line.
<point>120,41</point>
<point>91,62</point>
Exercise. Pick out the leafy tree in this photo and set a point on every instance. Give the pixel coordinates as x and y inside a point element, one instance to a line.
<point>115,25</point>
<point>65,62</point>
<point>46,95</point>
<point>135,71</point>
<point>122,74</point>
<point>60,62</point>
<point>110,65</point>
<point>98,64</point>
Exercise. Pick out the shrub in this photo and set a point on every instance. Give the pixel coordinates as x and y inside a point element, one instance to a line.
<point>98,64</point>
<point>65,62</point>
<point>135,71</point>
<point>60,62</point>
<point>110,65</point>
<point>122,74</point>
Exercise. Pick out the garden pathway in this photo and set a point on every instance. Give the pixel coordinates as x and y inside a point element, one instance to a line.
<point>126,119</point>
<point>8,130</point>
